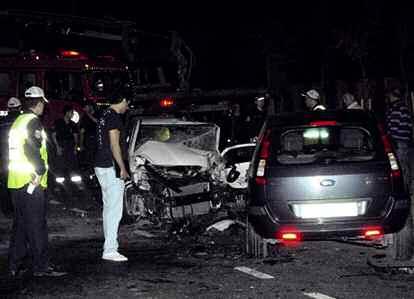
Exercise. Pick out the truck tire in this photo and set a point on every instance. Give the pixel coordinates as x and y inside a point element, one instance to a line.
<point>401,248</point>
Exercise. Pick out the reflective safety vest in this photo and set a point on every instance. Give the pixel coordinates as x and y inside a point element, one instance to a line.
<point>319,107</point>
<point>21,169</point>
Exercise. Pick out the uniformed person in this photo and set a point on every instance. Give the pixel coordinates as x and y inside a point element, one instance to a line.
<point>13,111</point>
<point>27,181</point>
<point>312,100</point>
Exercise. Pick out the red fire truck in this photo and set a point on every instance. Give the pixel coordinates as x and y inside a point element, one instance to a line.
<point>68,77</point>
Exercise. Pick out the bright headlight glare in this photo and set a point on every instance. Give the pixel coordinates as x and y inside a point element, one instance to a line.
<point>76,178</point>
<point>60,180</point>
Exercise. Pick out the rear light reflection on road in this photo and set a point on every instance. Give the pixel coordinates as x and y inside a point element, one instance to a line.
<point>373,233</point>
<point>289,237</point>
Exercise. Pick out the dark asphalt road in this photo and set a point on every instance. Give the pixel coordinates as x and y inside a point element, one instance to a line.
<point>202,267</point>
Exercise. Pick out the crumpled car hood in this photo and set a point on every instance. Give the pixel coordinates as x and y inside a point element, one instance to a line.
<point>173,154</point>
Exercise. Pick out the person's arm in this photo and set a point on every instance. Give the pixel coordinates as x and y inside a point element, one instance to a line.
<point>93,118</point>
<point>57,129</point>
<point>76,137</point>
<point>58,148</point>
<point>32,149</point>
<point>75,133</point>
<point>117,153</point>
<point>82,139</point>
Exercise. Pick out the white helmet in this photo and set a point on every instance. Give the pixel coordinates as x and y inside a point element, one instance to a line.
<point>13,103</point>
<point>312,93</point>
<point>35,92</point>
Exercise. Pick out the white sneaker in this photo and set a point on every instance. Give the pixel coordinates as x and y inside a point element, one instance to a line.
<point>114,257</point>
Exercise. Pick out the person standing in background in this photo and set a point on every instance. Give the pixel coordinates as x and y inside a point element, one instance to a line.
<point>350,102</point>
<point>312,100</point>
<point>87,136</point>
<point>399,125</point>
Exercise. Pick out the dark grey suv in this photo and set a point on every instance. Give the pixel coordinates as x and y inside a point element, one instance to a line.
<point>325,174</point>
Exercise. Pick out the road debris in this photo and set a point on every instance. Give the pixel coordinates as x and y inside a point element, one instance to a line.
<point>82,213</point>
<point>318,296</point>
<point>383,262</point>
<point>254,273</point>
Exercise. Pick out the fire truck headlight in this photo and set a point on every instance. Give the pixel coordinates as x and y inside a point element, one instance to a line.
<point>60,180</point>
<point>76,178</point>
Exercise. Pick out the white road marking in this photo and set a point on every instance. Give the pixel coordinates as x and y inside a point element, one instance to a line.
<point>318,296</point>
<point>55,202</point>
<point>253,272</point>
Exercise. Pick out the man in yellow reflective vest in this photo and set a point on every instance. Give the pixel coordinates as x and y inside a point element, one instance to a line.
<point>27,181</point>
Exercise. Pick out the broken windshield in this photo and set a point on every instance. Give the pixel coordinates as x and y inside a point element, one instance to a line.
<point>201,137</point>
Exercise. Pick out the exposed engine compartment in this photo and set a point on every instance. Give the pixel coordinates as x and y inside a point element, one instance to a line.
<point>177,172</point>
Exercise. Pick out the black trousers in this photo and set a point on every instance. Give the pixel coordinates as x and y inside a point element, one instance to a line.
<point>29,237</point>
<point>67,162</point>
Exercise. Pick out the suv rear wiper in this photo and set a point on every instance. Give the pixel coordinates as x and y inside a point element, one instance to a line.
<point>328,157</point>
<point>361,151</point>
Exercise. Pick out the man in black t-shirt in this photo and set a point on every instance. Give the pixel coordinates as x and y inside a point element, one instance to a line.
<point>108,155</point>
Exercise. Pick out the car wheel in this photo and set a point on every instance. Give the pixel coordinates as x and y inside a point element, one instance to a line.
<point>131,201</point>
<point>401,248</point>
<point>255,245</point>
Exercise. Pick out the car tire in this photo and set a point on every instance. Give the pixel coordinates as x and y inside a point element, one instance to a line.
<point>128,214</point>
<point>401,248</point>
<point>255,245</point>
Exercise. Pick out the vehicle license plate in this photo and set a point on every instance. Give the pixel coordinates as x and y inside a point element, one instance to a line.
<point>326,210</point>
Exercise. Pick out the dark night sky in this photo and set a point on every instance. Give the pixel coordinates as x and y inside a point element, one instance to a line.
<point>230,41</point>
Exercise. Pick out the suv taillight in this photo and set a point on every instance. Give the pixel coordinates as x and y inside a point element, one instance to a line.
<point>395,174</point>
<point>263,156</point>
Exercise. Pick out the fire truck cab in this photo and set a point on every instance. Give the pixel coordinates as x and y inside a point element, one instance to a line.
<point>68,77</point>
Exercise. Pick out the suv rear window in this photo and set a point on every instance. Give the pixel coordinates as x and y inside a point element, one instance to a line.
<point>325,144</point>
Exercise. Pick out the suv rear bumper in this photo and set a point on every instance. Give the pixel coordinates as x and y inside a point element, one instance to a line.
<point>268,227</point>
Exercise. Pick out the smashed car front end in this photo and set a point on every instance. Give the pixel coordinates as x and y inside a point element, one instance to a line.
<point>177,170</point>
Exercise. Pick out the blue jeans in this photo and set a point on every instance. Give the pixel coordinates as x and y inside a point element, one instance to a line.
<point>112,197</point>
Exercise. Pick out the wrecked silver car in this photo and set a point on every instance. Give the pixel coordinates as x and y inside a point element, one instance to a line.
<point>177,171</point>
